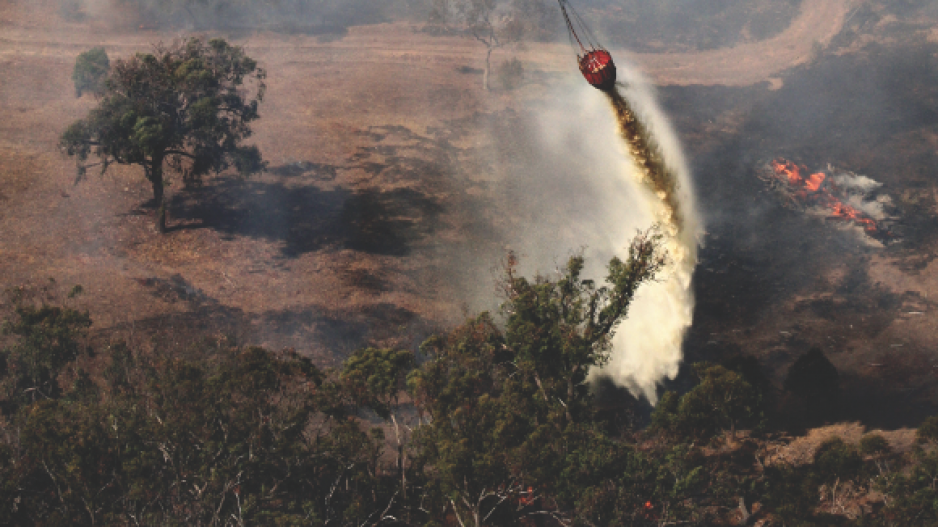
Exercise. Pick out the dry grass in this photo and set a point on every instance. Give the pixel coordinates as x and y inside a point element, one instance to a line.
<point>306,282</point>
<point>801,450</point>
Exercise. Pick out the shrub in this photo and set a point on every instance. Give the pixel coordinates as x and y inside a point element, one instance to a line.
<point>90,72</point>
<point>928,430</point>
<point>721,401</point>
<point>873,444</point>
<point>836,459</point>
<point>46,339</point>
<point>511,73</point>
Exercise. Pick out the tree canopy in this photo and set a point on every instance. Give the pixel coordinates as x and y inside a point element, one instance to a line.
<point>494,426</point>
<point>182,107</point>
<point>510,424</point>
<point>721,399</point>
<point>90,71</point>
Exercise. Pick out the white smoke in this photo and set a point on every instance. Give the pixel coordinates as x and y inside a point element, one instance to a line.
<point>581,141</point>
<point>862,193</point>
<point>855,183</point>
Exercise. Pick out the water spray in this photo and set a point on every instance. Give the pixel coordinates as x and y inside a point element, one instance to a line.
<point>647,347</point>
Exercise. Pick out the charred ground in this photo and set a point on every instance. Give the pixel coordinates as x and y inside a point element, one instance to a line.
<point>773,281</point>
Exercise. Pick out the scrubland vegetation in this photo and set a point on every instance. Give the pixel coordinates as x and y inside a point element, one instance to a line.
<point>492,423</point>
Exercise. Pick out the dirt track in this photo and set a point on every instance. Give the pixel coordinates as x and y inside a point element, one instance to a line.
<point>753,62</point>
<point>747,63</point>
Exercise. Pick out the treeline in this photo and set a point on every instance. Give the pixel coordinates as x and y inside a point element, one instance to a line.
<point>492,423</point>
<point>284,15</point>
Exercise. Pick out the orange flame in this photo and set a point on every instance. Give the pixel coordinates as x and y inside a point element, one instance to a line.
<point>841,210</point>
<point>786,168</point>
<point>814,182</point>
<point>790,174</point>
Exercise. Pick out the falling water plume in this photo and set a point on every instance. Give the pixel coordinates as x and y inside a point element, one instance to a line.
<point>648,346</point>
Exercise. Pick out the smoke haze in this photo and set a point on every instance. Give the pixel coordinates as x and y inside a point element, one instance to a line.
<point>580,187</point>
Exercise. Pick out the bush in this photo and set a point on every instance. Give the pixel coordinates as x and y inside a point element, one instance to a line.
<point>46,339</point>
<point>721,401</point>
<point>90,72</point>
<point>791,493</point>
<point>836,459</point>
<point>510,73</point>
<point>928,430</point>
<point>913,496</point>
<point>874,444</point>
<point>664,418</point>
<point>256,433</point>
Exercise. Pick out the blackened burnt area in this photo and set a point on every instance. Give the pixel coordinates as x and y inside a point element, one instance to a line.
<point>328,335</point>
<point>873,112</point>
<point>303,217</point>
<point>307,206</point>
<point>855,111</point>
<point>387,222</point>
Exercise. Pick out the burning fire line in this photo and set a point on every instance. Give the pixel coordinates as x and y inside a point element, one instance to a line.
<point>817,189</point>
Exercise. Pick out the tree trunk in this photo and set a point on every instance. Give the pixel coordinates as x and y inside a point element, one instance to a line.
<point>400,457</point>
<point>156,179</point>
<point>570,393</point>
<point>744,514</point>
<point>488,69</point>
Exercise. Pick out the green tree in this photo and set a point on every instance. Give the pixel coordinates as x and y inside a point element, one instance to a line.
<point>928,430</point>
<point>509,414</point>
<point>48,338</point>
<point>375,378</point>
<point>228,436</point>
<point>874,445</point>
<point>791,493</point>
<point>720,401</point>
<point>181,107</point>
<point>91,69</point>
<point>751,371</point>
<point>912,494</point>
<point>834,459</point>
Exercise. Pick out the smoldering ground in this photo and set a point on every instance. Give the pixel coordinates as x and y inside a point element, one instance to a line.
<point>774,281</point>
